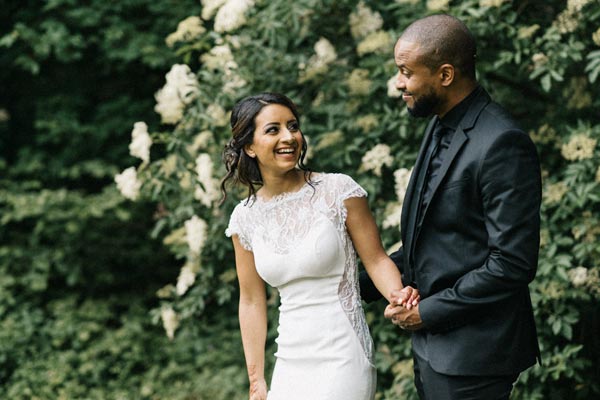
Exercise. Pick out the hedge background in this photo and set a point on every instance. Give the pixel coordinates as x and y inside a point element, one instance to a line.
<point>102,297</point>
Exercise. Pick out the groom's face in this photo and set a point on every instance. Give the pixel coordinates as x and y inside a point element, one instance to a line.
<point>419,84</point>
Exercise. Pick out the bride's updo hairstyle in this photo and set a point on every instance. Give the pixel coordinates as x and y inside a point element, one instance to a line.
<point>242,168</point>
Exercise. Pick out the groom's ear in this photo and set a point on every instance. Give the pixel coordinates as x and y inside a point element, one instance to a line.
<point>446,74</point>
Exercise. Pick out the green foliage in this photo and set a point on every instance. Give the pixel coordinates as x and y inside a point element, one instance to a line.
<point>80,267</point>
<point>540,62</point>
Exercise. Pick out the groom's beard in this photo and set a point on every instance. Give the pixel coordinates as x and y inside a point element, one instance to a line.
<point>425,105</point>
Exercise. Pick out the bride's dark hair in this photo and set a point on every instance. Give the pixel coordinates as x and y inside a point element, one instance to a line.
<point>242,168</point>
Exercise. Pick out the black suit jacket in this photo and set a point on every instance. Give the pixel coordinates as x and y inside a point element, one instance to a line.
<point>477,249</point>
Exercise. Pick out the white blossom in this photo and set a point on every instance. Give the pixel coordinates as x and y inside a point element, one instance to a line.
<point>181,88</point>
<point>376,42</point>
<point>401,177</point>
<point>188,29</point>
<point>128,183</point>
<point>358,82</point>
<point>393,213</point>
<point>208,190</point>
<point>219,58</point>
<point>210,7</point>
<point>195,233</point>
<point>4,115</point>
<point>392,90</point>
<point>364,21</point>
<point>578,276</point>
<point>437,5</point>
<point>596,37</point>
<point>170,321</point>
<point>324,55</point>
<point>140,142</point>
<point>325,51</point>
<point>232,15</point>
<point>491,3</point>
<point>185,280</point>
<point>233,83</point>
<point>579,147</point>
<point>217,114</point>
<point>376,158</point>
<point>202,140</point>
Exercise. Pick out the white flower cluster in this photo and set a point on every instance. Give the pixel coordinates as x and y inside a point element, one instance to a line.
<point>140,142</point>
<point>401,178</point>
<point>527,32</point>
<point>4,115</point>
<point>377,42</point>
<point>577,5</point>
<point>579,147</point>
<point>376,158</point>
<point>393,214</point>
<point>195,233</point>
<point>329,139</point>
<point>219,58</point>
<point>392,91</point>
<point>217,114</point>
<point>358,82</point>
<point>186,279</point>
<point>364,21</point>
<point>324,55</point>
<point>128,183</point>
<point>201,141</point>
<point>180,89</point>
<point>491,3</point>
<point>437,5</point>
<point>170,321</point>
<point>578,276</point>
<point>393,211</point>
<point>210,7</point>
<point>188,29</point>
<point>208,190</point>
<point>232,15</point>
<point>596,37</point>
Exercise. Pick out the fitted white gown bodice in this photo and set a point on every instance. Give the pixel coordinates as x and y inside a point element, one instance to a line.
<point>301,247</point>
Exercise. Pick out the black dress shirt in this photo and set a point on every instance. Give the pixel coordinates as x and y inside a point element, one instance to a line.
<point>442,137</point>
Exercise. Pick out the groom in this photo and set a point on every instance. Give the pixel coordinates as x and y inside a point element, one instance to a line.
<point>470,224</point>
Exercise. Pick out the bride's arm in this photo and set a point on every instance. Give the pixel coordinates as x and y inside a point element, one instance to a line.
<point>253,318</point>
<point>367,242</point>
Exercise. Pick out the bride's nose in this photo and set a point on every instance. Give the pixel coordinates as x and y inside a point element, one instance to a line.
<point>287,135</point>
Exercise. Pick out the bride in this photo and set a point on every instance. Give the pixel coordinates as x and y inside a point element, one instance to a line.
<point>298,231</point>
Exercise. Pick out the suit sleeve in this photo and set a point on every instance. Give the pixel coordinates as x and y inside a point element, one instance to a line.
<point>510,190</point>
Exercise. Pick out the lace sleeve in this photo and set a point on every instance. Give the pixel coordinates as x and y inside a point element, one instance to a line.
<point>235,227</point>
<point>348,188</point>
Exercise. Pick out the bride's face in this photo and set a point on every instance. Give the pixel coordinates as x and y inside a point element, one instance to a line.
<point>277,141</point>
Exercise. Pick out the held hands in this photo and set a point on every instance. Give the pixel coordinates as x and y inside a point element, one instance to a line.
<point>258,390</point>
<point>407,297</point>
<point>404,309</point>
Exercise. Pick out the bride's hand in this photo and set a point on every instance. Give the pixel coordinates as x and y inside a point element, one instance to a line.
<point>258,390</point>
<point>407,297</point>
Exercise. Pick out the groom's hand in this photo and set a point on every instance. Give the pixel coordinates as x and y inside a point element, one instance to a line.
<point>409,320</point>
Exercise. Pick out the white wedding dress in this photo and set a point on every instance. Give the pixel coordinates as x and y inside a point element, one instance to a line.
<point>301,247</point>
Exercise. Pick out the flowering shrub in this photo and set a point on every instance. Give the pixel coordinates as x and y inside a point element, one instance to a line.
<point>334,58</point>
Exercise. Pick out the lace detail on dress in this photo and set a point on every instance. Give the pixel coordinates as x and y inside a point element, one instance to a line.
<point>348,290</point>
<point>286,219</point>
